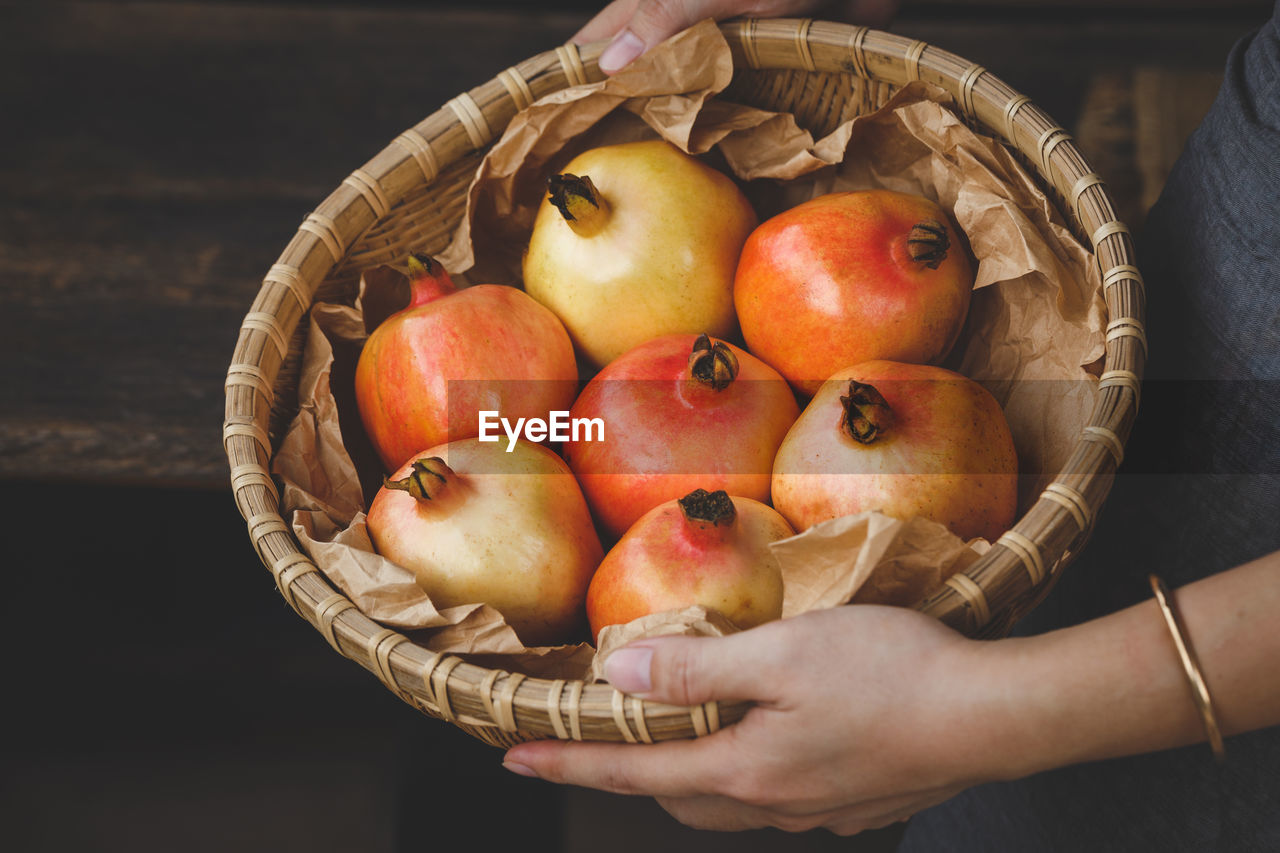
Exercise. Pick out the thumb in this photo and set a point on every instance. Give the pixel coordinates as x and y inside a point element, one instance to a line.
<point>693,670</point>
<point>652,22</point>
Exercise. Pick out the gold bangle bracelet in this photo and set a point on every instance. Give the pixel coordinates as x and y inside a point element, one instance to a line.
<point>1199,689</point>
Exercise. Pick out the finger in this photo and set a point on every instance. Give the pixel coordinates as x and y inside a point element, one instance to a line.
<point>687,768</point>
<point>693,670</point>
<point>607,22</point>
<point>875,13</point>
<point>901,804</point>
<point>877,814</point>
<point>724,814</point>
<point>847,826</point>
<point>655,21</point>
<point>719,814</point>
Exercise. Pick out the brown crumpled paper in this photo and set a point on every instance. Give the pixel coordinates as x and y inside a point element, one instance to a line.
<point>869,558</point>
<point>694,621</point>
<point>1035,327</point>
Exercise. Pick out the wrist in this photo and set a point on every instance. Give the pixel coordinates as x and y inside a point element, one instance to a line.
<point>1117,685</point>
<point>1103,689</point>
<point>1005,729</point>
<point>1024,707</point>
<point>980,688</point>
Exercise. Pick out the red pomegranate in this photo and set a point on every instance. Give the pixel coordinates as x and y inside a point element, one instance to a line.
<point>427,371</point>
<point>678,412</point>
<point>850,277</point>
<point>705,548</point>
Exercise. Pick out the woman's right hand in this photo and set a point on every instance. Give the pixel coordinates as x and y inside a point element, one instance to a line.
<point>862,716</point>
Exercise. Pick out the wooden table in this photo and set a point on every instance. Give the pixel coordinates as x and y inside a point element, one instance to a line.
<point>155,159</point>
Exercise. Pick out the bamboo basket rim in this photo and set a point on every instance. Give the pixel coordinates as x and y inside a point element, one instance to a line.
<point>503,708</point>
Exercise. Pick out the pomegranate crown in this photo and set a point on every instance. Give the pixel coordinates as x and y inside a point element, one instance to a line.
<point>426,479</point>
<point>428,279</point>
<point>928,243</point>
<point>713,363</point>
<point>421,264</point>
<point>865,415</point>
<point>573,195</point>
<point>713,508</point>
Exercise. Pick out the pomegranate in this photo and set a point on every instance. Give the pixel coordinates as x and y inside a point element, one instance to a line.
<point>678,412</point>
<point>906,440</point>
<point>476,524</point>
<point>704,548</point>
<point>636,241</point>
<point>850,277</point>
<point>427,371</point>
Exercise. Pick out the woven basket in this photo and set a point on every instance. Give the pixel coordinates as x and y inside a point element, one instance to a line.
<point>412,195</point>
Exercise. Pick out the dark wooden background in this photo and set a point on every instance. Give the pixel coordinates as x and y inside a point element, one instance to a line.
<point>154,160</point>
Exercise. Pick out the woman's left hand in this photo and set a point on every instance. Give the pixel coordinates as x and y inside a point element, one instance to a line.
<point>634,26</point>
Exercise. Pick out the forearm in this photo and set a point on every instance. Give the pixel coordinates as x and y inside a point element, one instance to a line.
<point>1116,686</point>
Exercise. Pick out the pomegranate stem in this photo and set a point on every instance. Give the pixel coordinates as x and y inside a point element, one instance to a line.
<point>426,480</point>
<point>713,364</point>
<point>928,243</point>
<point>867,416</point>
<point>708,508</point>
<point>579,202</point>
<point>428,279</point>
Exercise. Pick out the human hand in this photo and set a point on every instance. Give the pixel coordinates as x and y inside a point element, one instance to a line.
<point>862,716</point>
<point>634,26</point>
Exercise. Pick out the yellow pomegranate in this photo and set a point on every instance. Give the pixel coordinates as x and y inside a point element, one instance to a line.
<point>635,241</point>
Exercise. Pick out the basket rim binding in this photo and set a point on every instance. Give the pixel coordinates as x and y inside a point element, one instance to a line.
<point>503,708</point>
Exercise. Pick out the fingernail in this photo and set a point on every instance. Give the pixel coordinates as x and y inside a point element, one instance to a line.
<point>628,669</point>
<point>520,769</point>
<point>625,47</point>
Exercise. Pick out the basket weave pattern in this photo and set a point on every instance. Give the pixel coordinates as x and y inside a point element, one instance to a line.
<point>411,196</point>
